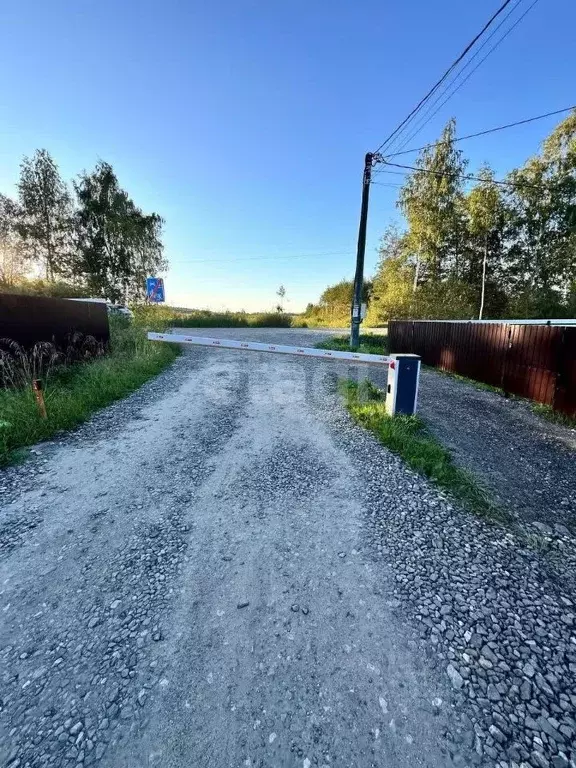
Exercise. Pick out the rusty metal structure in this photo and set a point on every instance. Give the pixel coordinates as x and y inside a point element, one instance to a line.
<point>30,319</point>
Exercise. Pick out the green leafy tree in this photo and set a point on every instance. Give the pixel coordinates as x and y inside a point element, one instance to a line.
<point>118,245</point>
<point>486,219</point>
<point>45,214</point>
<point>392,291</point>
<point>542,202</point>
<point>432,203</point>
<point>14,261</point>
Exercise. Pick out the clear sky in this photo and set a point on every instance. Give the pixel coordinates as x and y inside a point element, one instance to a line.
<point>245,122</point>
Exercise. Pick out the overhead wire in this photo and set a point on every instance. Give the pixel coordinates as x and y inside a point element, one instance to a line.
<point>485,132</point>
<point>470,177</point>
<point>423,122</point>
<point>262,258</point>
<point>446,74</point>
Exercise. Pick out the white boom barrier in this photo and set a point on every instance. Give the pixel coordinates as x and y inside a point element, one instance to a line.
<point>279,349</point>
<point>404,373</point>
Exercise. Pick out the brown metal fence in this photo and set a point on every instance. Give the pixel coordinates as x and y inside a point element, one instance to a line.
<point>533,361</point>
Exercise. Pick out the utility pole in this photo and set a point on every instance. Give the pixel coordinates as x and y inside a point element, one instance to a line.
<point>359,275</point>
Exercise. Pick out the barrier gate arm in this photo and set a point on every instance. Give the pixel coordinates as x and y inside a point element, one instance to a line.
<point>280,349</point>
<point>403,377</point>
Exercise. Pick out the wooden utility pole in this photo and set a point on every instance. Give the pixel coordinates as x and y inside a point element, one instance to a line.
<point>360,253</point>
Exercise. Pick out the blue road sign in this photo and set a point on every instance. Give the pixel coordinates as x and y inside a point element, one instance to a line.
<point>155,289</point>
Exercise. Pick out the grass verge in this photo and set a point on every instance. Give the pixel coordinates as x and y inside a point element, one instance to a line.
<point>72,394</point>
<point>408,437</point>
<point>370,343</point>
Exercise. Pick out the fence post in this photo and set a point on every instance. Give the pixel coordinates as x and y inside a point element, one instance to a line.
<point>562,383</point>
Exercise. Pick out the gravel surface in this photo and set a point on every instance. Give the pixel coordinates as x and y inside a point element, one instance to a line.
<point>527,461</point>
<point>223,570</point>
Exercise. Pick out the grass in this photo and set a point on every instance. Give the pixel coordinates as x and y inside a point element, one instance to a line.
<point>473,382</point>
<point>548,413</point>
<point>370,343</point>
<point>408,437</point>
<point>204,318</point>
<point>73,393</point>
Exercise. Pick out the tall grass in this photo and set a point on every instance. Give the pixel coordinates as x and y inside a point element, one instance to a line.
<point>73,392</point>
<point>205,318</point>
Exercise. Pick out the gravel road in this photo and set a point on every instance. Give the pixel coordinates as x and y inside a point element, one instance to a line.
<point>222,570</point>
<point>527,462</point>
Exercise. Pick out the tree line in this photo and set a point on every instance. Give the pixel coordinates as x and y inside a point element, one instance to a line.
<point>92,236</point>
<point>481,247</point>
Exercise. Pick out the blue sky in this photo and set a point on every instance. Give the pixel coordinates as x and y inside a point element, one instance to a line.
<point>245,122</point>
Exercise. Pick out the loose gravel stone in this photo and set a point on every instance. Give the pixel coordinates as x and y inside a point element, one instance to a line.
<point>486,624</point>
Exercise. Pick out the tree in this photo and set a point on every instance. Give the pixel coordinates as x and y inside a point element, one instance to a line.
<point>392,287</point>
<point>486,215</point>
<point>432,202</point>
<point>118,245</point>
<point>281,293</point>
<point>45,221</point>
<point>13,255</point>
<point>542,203</point>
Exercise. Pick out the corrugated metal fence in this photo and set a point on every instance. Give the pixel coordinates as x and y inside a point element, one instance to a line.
<point>533,361</point>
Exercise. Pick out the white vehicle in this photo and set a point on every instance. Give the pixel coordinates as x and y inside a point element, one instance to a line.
<point>113,309</point>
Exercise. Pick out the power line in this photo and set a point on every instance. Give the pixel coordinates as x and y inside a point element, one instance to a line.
<point>261,258</point>
<point>468,177</point>
<point>423,123</point>
<point>386,184</point>
<point>445,75</point>
<point>401,143</point>
<point>484,133</point>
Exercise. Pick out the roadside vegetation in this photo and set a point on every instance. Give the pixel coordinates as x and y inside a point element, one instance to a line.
<point>370,343</point>
<point>75,390</point>
<point>204,318</point>
<point>556,417</point>
<point>538,409</point>
<point>468,250</point>
<point>409,437</point>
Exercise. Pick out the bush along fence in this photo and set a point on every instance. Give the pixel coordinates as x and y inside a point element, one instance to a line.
<point>534,361</point>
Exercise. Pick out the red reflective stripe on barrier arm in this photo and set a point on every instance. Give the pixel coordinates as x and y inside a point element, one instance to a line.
<point>277,348</point>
